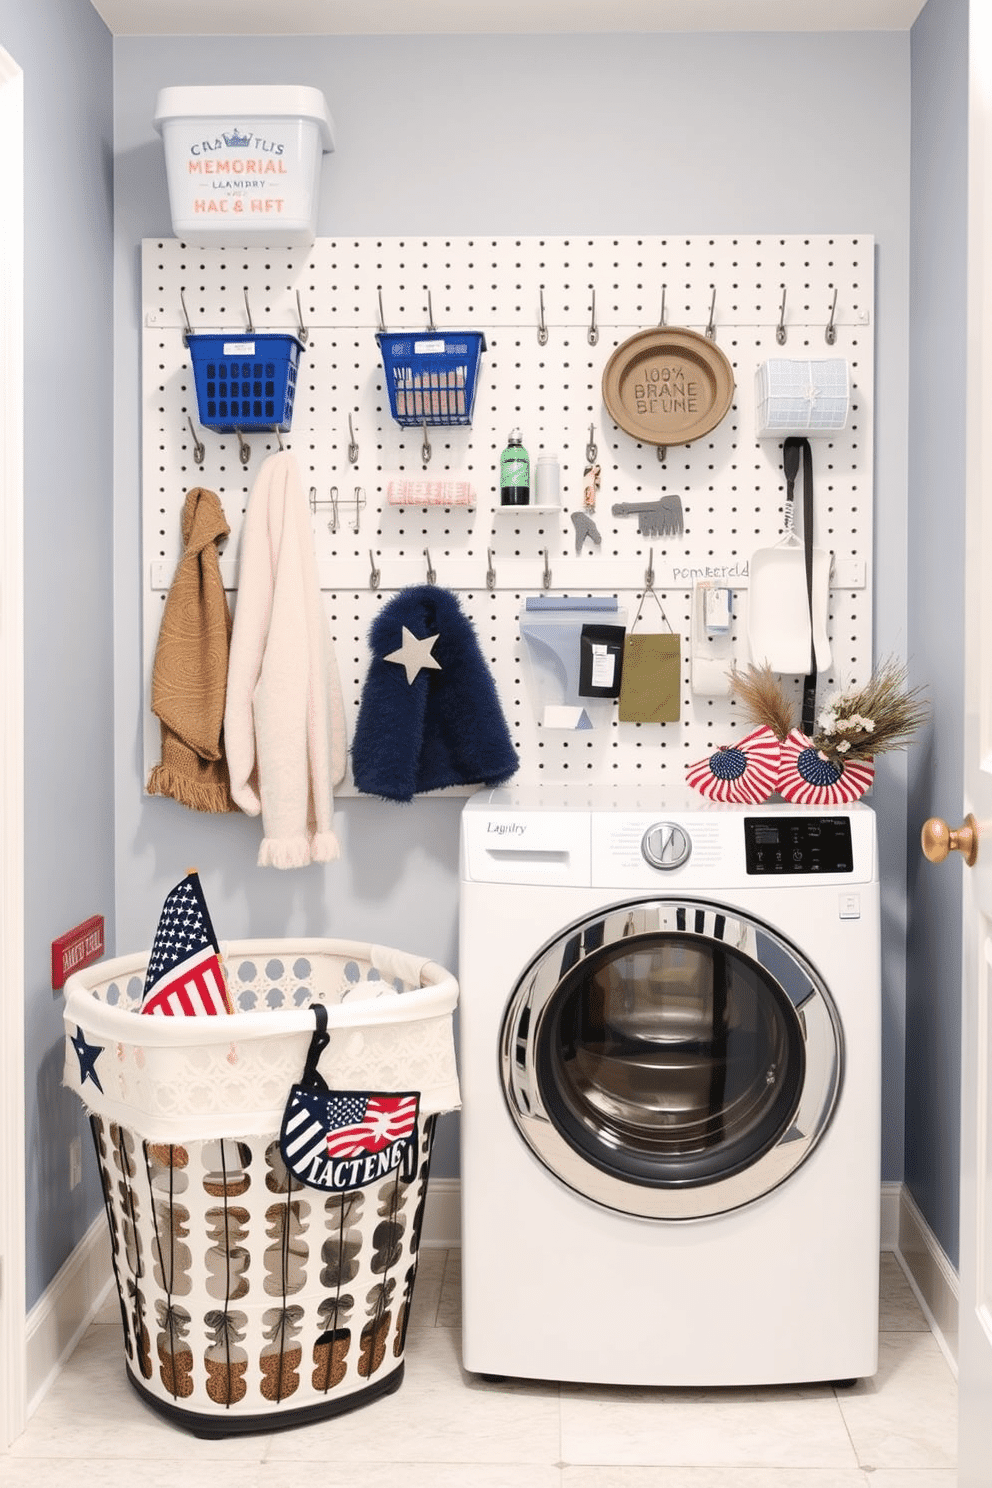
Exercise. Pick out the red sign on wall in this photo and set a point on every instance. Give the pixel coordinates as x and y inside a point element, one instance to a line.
<point>75,949</point>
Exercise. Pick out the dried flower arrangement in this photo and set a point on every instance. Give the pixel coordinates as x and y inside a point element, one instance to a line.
<point>855,723</point>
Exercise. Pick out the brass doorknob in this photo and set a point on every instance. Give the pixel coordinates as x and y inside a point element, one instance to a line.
<point>938,839</point>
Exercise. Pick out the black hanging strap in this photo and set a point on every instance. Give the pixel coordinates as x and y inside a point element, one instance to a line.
<point>790,449</point>
<point>319,1041</point>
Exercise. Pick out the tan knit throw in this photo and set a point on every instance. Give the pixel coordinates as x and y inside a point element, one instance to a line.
<point>189,679</point>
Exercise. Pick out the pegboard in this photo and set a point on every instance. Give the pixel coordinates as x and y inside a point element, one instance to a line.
<point>552,310</point>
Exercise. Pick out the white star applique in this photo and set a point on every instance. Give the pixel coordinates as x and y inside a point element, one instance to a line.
<point>414,654</point>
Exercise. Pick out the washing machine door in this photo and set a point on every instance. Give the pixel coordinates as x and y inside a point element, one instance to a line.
<point>671,1058</point>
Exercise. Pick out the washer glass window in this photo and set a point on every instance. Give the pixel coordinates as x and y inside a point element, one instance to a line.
<point>671,1059</point>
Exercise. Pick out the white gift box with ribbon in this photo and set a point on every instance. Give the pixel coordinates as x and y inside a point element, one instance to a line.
<point>801,397</point>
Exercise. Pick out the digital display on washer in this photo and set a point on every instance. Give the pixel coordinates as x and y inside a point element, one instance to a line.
<point>776,845</point>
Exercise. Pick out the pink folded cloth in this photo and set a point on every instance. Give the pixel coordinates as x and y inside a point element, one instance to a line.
<point>430,493</point>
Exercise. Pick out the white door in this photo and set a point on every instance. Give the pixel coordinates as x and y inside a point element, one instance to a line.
<point>12,1335</point>
<point>975,839</point>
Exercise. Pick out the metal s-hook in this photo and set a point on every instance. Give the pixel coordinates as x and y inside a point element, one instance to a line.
<point>490,572</point>
<point>302,330</point>
<point>332,525</point>
<point>425,448</point>
<point>359,503</point>
<point>830,334</point>
<point>547,570</point>
<point>382,320</point>
<point>251,328</point>
<point>592,335</point>
<point>352,446</point>
<point>591,450</point>
<point>649,571</point>
<point>430,312</point>
<point>244,448</point>
<point>661,320</point>
<point>781,334</point>
<point>542,329</point>
<point>374,575</point>
<point>199,449</point>
<point>431,574</point>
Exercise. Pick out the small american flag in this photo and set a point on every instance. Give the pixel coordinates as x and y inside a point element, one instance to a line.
<point>184,975</point>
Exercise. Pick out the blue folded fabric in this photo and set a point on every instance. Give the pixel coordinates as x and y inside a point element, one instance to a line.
<point>445,726</point>
<point>599,602</point>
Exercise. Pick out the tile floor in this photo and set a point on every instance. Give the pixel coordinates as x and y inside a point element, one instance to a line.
<point>446,1429</point>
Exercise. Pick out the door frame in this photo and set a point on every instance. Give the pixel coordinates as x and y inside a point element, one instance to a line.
<point>13,1362</point>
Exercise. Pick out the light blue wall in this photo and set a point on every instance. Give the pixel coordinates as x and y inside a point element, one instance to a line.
<point>938,328</point>
<point>568,134</point>
<point>66,56</point>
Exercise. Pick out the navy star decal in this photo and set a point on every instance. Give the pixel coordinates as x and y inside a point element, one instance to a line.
<point>87,1055</point>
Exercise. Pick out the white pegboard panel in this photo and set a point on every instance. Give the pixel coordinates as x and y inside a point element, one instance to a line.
<point>730,484</point>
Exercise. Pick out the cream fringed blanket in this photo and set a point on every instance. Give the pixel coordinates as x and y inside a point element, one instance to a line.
<point>284,723</point>
<point>190,672</point>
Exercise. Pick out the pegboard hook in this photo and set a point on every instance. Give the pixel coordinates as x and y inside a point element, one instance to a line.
<point>591,450</point>
<point>374,575</point>
<point>431,574</point>
<point>425,448</point>
<point>661,319</point>
<point>649,571</point>
<point>352,446</point>
<point>547,570</point>
<point>359,503</point>
<point>430,312</point>
<point>830,334</point>
<point>244,448</point>
<point>490,571</point>
<point>542,329</point>
<point>592,335</point>
<point>711,324</point>
<point>781,334</point>
<point>199,449</point>
<point>382,318</point>
<point>189,329</point>
<point>303,332</point>
<point>251,328</point>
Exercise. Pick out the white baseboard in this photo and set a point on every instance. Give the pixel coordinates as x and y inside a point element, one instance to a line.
<point>442,1227</point>
<point>62,1314</point>
<point>889,1231</point>
<point>930,1274</point>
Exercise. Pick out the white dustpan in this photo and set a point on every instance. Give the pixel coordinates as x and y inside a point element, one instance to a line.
<point>778,611</point>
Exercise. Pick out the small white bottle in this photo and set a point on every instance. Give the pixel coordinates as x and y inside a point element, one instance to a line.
<point>547,481</point>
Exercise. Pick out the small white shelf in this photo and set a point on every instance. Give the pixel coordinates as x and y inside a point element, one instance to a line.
<point>532,506</point>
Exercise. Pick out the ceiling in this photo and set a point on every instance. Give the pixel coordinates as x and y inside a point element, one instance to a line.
<point>407,17</point>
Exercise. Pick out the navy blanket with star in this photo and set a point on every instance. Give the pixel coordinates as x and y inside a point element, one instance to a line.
<point>444,726</point>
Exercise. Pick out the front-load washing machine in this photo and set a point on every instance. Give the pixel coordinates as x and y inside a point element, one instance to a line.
<point>669,1035</point>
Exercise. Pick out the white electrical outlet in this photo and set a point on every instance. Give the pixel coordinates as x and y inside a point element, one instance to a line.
<point>75,1162</point>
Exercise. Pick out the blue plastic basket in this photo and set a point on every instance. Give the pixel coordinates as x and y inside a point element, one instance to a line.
<point>431,378</point>
<point>245,382</point>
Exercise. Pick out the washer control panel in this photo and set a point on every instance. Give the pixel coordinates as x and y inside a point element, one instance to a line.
<point>666,845</point>
<point>778,845</point>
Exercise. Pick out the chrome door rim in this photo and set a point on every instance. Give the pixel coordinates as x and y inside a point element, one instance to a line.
<point>526,1016</point>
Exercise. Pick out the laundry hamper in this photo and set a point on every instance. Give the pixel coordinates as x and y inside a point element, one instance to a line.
<point>249,1300</point>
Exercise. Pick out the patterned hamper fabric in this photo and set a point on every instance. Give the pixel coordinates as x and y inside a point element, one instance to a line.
<point>249,1301</point>
<point>806,779</point>
<point>743,774</point>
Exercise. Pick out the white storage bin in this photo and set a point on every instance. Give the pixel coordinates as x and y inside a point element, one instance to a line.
<point>243,163</point>
<point>801,397</point>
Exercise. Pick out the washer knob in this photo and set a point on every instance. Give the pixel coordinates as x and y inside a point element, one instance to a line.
<point>666,846</point>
